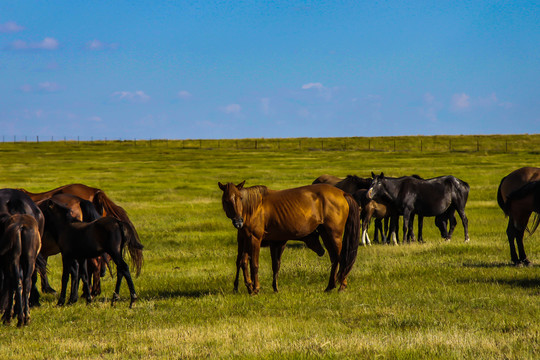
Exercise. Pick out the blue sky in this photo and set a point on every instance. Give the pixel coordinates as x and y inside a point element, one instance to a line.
<point>237,69</point>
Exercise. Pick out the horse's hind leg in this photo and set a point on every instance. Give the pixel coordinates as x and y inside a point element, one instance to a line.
<point>83,273</point>
<point>511,234</point>
<point>334,248</point>
<point>276,250</point>
<point>465,222</point>
<point>122,270</point>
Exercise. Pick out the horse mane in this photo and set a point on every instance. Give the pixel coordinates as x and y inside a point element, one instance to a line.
<point>252,197</point>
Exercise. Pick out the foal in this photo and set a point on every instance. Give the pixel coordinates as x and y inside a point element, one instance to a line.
<point>79,241</point>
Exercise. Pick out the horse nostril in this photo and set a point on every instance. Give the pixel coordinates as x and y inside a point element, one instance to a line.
<point>238,223</point>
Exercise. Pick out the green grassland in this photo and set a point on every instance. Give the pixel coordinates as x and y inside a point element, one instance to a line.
<point>447,300</point>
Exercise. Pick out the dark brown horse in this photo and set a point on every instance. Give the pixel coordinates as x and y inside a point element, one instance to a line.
<point>80,210</point>
<point>102,203</point>
<point>19,247</point>
<point>262,214</point>
<point>519,209</point>
<point>79,241</point>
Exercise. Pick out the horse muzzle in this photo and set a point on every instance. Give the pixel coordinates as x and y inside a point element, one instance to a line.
<point>238,223</point>
<point>370,194</point>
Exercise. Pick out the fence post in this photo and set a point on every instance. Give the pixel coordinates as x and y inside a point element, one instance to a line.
<point>421,146</point>
<point>506,146</point>
<point>369,145</point>
<point>394,145</point>
<point>477,146</point>
<point>450,145</point>
<point>37,139</point>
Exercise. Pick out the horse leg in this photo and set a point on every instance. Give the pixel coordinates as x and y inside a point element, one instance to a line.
<point>453,222</point>
<point>34,293</point>
<point>74,293</point>
<point>511,234</point>
<point>465,222</point>
<point>123,266</point>
<point>520,227</point>
<point>66,264</point>
<point>276,250</point>
<point>10,282</point>
<point>366,218</point>
<point>406,218</point>
<point>394,226</point>
<point>27,286</point>
<point>420,226</point>
<point>254,263</point>
<point>45,286</point>
<point>83,273</point>
<point>334,249</point>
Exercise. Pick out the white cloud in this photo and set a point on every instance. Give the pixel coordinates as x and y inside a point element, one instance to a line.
<point>48,86</point>
<point>184,94</point>
<point>96,45</point>
<point>461,102</point>
<point>317,86</point>
<point>95,118</point>
<point>431,107</point>
<point>46,44</point>
<point>232,109</point>
<point>130,96</point>
<point>10,27</point>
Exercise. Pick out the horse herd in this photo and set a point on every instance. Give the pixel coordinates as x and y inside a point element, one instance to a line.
<point>88,229</point>
<point>337,210</point>
<point>76,220</point>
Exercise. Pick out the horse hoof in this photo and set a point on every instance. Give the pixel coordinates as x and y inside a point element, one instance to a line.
<point>48,290</point>
<point>133,299</point>
<point>526,263</point>
<point>329,288</point>
<point>115,298</point>
<point>342,288</point>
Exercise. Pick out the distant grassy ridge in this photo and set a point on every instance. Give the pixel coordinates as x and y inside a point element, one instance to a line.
<point>436,143</point>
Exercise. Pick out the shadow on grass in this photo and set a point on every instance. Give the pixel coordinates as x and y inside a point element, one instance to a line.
<point>486,265</point>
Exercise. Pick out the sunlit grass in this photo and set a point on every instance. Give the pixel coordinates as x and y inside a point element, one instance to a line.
<point>447,300</point>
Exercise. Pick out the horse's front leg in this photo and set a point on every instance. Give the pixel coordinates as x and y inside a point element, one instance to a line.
<point>45,286</point>
<point>276,251</point>
<point>66,265</point>
<point>406,218</point>
<point>83,273</point>
<point>74,271</point>
<point>239,259</point>
<point>254,263</point>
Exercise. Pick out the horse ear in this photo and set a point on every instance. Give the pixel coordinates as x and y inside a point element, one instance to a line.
<point>382,175</point>
<point>241,185</point>
<point>373,175</point>
<point>221,186</point>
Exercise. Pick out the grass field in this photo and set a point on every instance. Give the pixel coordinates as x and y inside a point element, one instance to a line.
<point>447,300</point>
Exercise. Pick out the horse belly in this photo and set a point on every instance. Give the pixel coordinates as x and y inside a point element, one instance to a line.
<point>292,230</point>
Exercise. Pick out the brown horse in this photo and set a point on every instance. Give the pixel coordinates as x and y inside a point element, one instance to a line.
<point>102,203</point>
<point>261,214</point>
<point>519,209</point>
<point>79,241</point>
<point>19,247</point>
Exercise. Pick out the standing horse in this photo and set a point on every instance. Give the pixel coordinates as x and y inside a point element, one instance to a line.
<point>13,201</point>
<point>412,195</point>
<point>79,241</point>
<point>378,211</point>
<point>102,203</point>
<point>261,214</point>
<point>518,210</point>
<point>82,211</point>
<point>19,247</point>
<point>352,184</point>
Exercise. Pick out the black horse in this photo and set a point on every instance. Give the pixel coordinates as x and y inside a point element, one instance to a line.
<point>19,247</point>
<point>13,202</point>
<point>440,197</point>
<point>79,241</point>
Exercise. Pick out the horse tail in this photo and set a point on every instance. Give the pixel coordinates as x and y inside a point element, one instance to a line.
<point>107,207</point>
<point>351,239</point>
<point>500,199</point>
<point>11,239</point>
<point>133,244</point>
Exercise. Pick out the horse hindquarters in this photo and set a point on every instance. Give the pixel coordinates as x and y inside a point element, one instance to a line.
<point>351,240</point>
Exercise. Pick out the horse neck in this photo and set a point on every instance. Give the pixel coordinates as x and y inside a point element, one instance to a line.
<point>252,198</point>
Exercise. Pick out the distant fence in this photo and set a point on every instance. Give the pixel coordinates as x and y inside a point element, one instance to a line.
<point>464,143</point>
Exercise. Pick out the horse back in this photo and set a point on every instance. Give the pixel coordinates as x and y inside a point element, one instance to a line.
<point>514,181</point>
<point>296,213</point>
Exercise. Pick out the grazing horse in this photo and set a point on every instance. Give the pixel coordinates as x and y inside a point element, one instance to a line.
<point>79,241</point>
<point>19,247</point>
<point>519,209</point>
<point>102,203</point>
<point>261,214</point>
<point>412,195</point>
